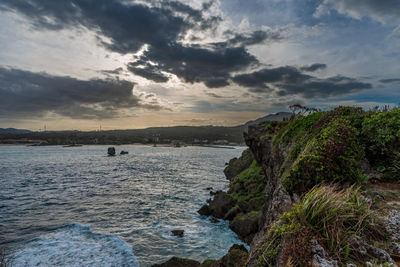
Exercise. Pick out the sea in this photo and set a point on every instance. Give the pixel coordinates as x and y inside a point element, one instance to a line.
<point>76,206</point>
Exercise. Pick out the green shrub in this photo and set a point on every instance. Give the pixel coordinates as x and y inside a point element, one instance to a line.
<point>297,129</point>
<point>382,137</point>
<point>333,155</point>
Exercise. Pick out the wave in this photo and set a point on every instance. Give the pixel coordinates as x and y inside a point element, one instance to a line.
<point>75,245</point>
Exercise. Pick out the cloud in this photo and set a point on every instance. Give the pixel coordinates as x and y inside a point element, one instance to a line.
<point>390,80</point>
<point>290,80</point>
<point>252,38</point>
<point>383,11</point>
<point>27,94</point>
<point>313,67</point>
<point>126,27</point>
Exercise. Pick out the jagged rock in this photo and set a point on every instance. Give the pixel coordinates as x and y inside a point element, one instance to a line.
<point>178,262</point>
<point>320,257</point>
<point>237,165</point>
<point>236,257</point>
<point>209,188</point>
<point>221,204</point>
<point>204,210</point>
<point>212,193</point>
<point>209,200</point>
<point>178,232</point>
<point>246,225</point>
<point>393,225</point>
<point>367,251</point>
<point>394,248</point>
<point>232,213</point>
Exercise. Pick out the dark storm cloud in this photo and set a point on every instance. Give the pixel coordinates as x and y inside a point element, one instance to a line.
<point>390,81</point>
<point>28,94</point>
<point>161,26</point>
<point>148,71</point>
<point>128,26</point>
<point>313,67</point>
<point>197,64</point>
<point>258,79</point>
<point>291,81</point>
<point>246,39</point>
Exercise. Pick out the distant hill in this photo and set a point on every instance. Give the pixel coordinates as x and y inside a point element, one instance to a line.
<point>187,134</point>
<point>271,117</point>
<point>13,131</point>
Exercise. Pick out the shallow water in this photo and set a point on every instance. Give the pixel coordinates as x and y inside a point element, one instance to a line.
<point>52,195</point>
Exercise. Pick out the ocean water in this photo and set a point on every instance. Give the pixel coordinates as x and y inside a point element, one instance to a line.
<point>78,207</point>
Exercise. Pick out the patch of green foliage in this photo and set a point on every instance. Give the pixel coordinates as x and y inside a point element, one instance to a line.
<point>333,146</point>
<point>331,215</point>
<point>297,129</point>
<point>333,155</point>
<point>249,184</point>
<point>382,137</point>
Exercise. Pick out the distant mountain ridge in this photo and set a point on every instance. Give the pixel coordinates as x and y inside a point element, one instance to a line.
<point>271,117</point>
<point>13,131</point>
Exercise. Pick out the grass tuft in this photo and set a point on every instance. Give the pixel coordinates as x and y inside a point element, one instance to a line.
<point>329,215</point>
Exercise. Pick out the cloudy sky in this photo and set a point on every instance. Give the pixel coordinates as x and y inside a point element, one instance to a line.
<point>78,64</point>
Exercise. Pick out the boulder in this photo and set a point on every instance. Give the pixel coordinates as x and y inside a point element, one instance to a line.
<point>221,204</point>
<point>366,251</point>
<point>246,225</point>
<point>111,151</point>
<point>236,257</point>
<point>178,232</point>
<point>178,262</point>
<point>204,210</point>
<point>237,165</point>
<point>124,152</point>
<point>320,258</point>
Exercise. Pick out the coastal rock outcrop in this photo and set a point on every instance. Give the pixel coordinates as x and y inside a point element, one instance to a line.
<point>316,190</point>
<point>237,165</point>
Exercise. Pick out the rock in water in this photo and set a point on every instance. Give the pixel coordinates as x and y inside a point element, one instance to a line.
<point>178,232</point>
<point>124,152</point>
<point>178,262</point>
<point>111,151</point>
<point>204,210</point>
<point>213,220</point>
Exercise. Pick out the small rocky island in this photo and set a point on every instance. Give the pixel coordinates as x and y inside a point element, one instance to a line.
<point>321,189</point>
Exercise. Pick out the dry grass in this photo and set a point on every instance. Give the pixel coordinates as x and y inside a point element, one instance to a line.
<point>336,215</point>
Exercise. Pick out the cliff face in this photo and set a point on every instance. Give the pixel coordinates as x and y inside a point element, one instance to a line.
<point>320,190</point>
<point>327,167</point>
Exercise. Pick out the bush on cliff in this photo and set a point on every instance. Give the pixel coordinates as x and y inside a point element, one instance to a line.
<point>335,146</point>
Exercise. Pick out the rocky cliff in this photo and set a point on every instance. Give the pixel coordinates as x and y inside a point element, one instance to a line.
<point>320,190</point>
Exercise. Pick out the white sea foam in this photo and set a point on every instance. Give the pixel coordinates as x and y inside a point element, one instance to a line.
<point>75,245</point>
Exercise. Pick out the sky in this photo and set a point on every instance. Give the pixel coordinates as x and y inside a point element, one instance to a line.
<point>124,64</point>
